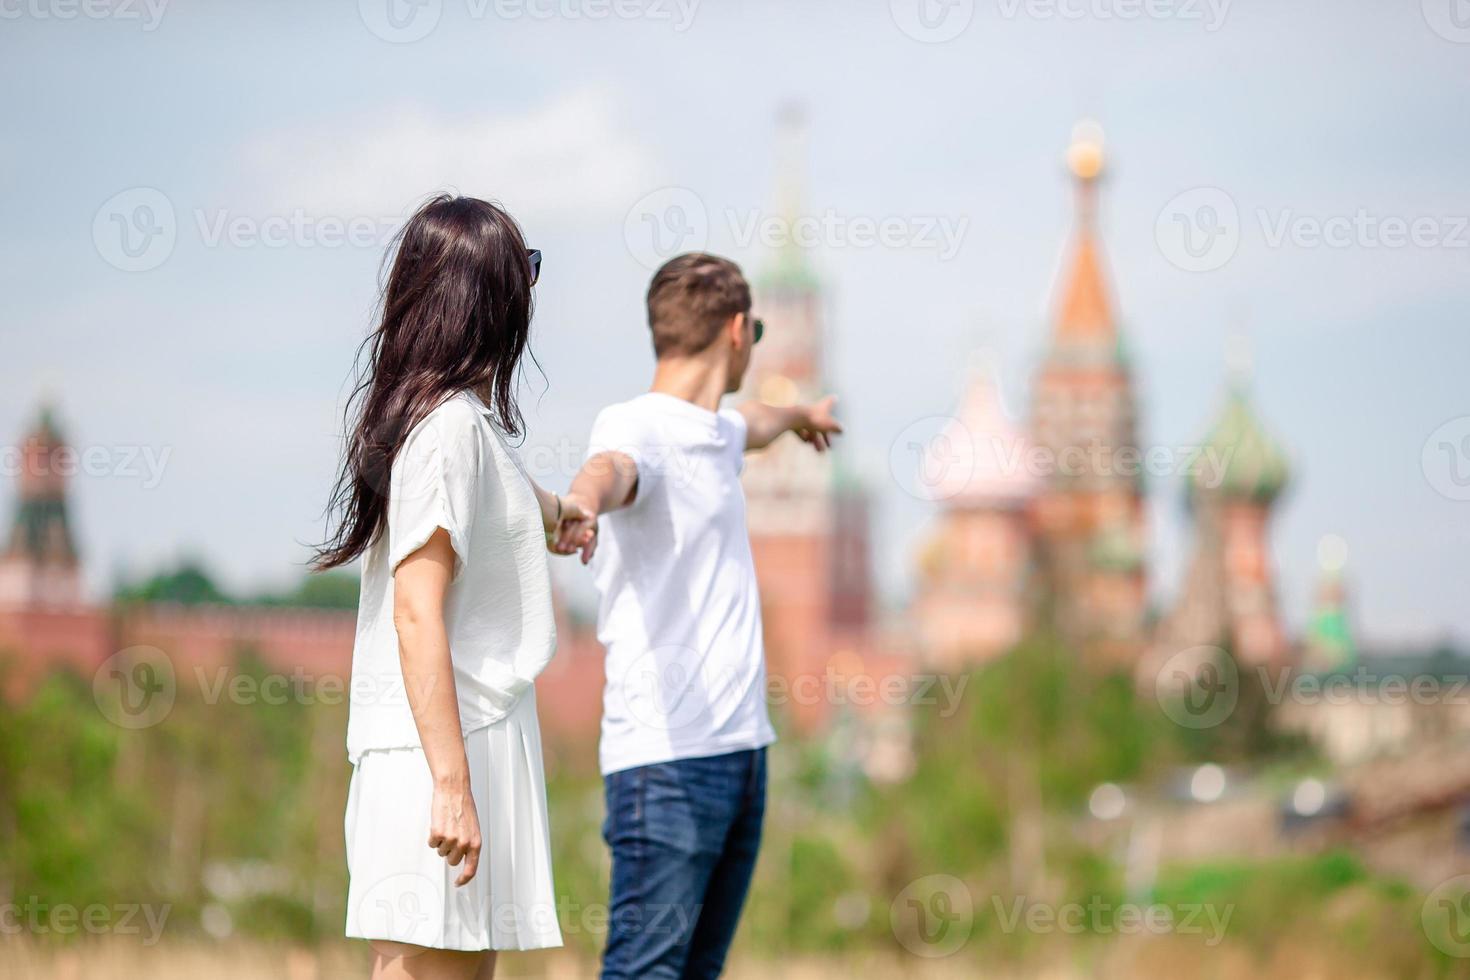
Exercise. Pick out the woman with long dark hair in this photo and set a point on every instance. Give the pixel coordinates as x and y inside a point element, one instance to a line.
<point>447,843</point>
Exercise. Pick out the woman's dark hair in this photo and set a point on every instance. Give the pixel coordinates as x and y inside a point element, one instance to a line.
<point>456,311</point>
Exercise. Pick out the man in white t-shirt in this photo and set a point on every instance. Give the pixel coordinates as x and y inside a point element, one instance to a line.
<point>684,724</point>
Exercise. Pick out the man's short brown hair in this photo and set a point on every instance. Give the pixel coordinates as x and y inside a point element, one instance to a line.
<point>690,299</point>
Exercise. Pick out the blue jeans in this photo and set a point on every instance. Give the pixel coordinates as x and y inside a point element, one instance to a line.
<point>684,836</point>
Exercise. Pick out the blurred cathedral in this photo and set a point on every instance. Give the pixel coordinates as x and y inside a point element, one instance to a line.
<point>1065,543</point>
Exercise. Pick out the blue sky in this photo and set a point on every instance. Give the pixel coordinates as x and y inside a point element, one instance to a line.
<point>228,357</point>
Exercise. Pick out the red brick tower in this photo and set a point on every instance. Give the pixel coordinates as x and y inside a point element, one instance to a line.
<point>808,516</point>
<point>1090,517</point>
<point>39,567</point>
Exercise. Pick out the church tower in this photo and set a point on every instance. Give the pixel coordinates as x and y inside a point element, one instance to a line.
<point>39,567</point>
<point>1089,516</point>
<point>975,566</point>
<point>1229,597</point>
<point>1328,644</point>
<point>808,515</point>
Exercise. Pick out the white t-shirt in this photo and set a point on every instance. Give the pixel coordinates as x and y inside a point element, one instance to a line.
<point>679,611</point>
<point>455,471</point>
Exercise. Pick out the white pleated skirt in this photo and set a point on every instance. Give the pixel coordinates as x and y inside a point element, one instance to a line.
<point>402,890</point>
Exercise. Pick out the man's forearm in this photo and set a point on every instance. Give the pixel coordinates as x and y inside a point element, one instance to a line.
<point>764,424</point>
<point>606,482</point>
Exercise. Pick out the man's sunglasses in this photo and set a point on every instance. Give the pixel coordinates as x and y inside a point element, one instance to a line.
<point>533,255</point>
<point>760,328</point>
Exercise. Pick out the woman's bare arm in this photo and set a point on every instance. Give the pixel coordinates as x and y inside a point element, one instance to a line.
<point>419,586</point>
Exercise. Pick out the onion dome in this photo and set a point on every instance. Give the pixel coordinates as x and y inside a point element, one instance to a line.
<point>980,458</point>
<point>1239,459</point>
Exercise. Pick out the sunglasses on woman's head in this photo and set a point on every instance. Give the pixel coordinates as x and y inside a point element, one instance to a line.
<point>760,329</point>
<point>533,255</point>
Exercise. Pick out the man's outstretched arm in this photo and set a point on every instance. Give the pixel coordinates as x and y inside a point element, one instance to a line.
<point>814,423</point>
<point>606,482</point>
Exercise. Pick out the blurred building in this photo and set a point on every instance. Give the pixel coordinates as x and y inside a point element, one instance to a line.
<point>1228,598</point>
<point>1046,523</point>
<point>976,573</point>
<point>809,516</point>
<point>1089,514</point>
<point>39,568</point>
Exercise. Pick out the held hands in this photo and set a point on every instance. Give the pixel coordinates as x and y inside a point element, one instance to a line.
<point>577,530</point>
<point>817,425</point>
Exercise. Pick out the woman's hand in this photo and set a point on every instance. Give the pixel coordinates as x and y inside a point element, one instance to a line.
<point>454,828</point>
<point>578,528</point>
<point>568,523</point>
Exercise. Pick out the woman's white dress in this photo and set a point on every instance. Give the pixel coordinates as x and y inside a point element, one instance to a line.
<point>455,471</point>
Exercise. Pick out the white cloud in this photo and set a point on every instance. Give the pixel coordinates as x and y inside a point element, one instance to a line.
<point>567,157</point>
